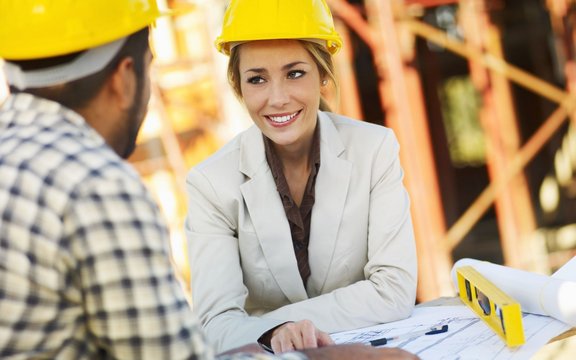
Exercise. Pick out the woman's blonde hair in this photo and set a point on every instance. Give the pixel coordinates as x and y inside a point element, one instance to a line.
<point>319,53</point>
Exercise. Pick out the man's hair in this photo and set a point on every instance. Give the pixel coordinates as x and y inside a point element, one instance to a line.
<point>78,93</point>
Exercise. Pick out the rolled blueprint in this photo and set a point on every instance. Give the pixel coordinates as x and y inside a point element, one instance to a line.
<point>536,293</point>
<point>567,271</point>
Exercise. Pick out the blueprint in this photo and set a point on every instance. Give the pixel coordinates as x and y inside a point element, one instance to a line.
<point>568,271</point>
<point>468,337</point>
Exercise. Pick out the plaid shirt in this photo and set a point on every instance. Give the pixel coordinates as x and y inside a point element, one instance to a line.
<point>84,268</point>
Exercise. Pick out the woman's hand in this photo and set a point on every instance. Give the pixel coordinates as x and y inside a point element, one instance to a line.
<point>298,335</point>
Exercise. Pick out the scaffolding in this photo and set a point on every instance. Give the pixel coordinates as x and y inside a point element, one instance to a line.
<point>388,30</point>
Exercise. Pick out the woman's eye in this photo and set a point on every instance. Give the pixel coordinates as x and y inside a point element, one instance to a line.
<point>295,74</point>
<point>255,80</point>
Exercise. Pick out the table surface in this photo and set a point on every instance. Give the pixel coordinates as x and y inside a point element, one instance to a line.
<point>454,300</point>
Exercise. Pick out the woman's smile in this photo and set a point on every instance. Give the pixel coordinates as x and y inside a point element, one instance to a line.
<point>280,120</point>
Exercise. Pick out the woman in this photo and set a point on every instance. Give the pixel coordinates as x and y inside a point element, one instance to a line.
<point>300,226</point>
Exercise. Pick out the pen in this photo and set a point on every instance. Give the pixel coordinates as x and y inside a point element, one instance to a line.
<point>431,331</point>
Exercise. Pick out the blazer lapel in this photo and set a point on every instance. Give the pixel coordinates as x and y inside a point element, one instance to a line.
<point>268,217</point>
<point>331,191</point>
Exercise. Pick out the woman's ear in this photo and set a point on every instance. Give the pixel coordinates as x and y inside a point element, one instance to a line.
<point>323,87</point>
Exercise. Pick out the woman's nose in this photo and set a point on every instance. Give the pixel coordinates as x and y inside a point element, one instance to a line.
<point>279,95</point>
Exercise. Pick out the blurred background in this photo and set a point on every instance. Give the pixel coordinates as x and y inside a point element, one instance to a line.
<point>479,92</point>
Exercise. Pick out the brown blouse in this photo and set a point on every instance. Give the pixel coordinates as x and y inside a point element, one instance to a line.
<point>298,217</point>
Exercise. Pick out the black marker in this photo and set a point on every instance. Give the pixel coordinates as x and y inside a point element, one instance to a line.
<point>431,331</point>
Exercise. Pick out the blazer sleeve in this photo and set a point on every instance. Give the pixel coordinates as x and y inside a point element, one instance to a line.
<point>218,295</point>
<point>388,290</point>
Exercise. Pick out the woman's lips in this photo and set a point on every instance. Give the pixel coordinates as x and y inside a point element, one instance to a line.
<point>283,120</point>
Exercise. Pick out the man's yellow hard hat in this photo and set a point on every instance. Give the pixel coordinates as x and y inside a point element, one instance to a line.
<point>35,29</point>
<point>247,20</point>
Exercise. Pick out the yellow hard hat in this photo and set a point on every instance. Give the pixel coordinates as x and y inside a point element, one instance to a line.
<point>35,29</point>
<point>247,20</point>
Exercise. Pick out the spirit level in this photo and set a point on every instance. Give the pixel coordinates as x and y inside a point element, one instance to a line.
<point>501,312</point>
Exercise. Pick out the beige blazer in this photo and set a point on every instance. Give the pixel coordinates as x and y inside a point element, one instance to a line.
<point>362,253</point>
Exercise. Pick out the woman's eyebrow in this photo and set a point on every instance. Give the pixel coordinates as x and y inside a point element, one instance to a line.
<point>256,70</point>
<point>284,68</point>
<point>292,64</point>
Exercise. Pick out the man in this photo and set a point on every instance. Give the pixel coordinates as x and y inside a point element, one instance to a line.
<point>84,270</point>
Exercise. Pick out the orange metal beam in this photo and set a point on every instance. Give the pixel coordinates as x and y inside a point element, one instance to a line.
<point>407,116</point>
<point>517,164</point>
<point>373,36</point>
<point>430,3</point>
<point>563,19</point>
<point>482,203</point>
<point>349,100</point>
<point>519,76</point>
<point>352,17</point>
<point>514,210</point>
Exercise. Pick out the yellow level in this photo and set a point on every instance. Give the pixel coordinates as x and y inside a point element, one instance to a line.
<point>500,311</point>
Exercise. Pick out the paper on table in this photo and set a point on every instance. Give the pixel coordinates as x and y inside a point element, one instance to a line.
<point>468,337</point>
<point>536,293</point>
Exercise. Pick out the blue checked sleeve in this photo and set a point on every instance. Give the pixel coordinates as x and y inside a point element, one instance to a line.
<point>134,306</point>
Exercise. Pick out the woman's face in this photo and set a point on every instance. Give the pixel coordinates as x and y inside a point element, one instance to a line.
<point>280,85</point>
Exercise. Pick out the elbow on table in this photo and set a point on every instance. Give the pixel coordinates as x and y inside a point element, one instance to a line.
<point>405,310</point>
<point>407,301</point>
<point>399,305</point>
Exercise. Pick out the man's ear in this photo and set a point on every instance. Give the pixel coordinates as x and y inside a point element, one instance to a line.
<point>122,83</point>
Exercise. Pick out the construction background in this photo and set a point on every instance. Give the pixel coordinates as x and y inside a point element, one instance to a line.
<point>480,93</point>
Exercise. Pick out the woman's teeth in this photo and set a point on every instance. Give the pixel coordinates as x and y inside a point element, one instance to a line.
<point>282,119</point>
